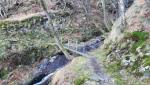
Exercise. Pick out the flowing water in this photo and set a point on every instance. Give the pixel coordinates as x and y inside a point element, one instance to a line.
<point>47,66</point>
<point>50,65</point>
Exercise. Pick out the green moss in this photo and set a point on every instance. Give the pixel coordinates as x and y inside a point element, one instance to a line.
<point>3,73</point>
<point>81,80</point>
<point>114,67</point>
<point>83,73</point>
<point>146,61</point>
<point>140,35</point>
<point>33,37</point>
<point>139,38</point>
<point>119,80</point>
<point>27,34</point>
<point>31,55</point>
<point>78,67</point>
<point>28,23</point>
<point>136,39</point>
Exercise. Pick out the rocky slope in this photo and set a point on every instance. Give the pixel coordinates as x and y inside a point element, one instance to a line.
<point>130,54</point>
<point>138,16</point>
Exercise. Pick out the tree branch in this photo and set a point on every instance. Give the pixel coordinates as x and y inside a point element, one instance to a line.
<point>56,37</point>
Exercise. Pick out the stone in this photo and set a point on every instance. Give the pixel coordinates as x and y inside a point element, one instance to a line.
<point>91,83</point>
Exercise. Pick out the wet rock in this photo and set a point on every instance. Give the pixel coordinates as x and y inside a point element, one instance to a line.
<point>92,44</point>
<point>47,66</point>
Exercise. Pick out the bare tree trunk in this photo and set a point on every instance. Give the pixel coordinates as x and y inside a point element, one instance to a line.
<point>122,11</point>
<point>107,22</point>
<point>56,37</point>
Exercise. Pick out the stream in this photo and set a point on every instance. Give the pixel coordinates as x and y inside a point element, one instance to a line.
<point>50,65</point>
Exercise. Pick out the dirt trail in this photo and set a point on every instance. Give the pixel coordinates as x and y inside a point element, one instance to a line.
<point>21,17</point>
<point>96,67</point>
<point>99,72</point>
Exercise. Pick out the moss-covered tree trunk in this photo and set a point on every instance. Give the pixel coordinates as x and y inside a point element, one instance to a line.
<point>56,37</point>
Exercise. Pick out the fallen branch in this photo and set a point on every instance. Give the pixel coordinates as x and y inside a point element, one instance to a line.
<point>77,52</point>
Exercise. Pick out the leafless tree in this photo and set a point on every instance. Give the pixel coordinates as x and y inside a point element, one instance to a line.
<point>107,20</point>
<point>54,31</point>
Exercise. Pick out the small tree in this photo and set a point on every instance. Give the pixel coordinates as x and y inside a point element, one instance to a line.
<point>54,31</point>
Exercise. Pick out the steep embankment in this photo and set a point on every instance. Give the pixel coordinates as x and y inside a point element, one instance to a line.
<point>129,59</point>
<point>136,19</point>
<point>127,55</point>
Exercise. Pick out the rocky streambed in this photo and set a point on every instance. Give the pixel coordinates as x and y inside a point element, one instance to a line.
<point>50,65</point>
<point>47,66</point>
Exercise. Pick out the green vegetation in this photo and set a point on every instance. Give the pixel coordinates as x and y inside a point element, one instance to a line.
<point>27,23</point>
<point>3,73</point>
<point>128,46</point>
<point>114,67</point>
<point>81,80</point>
<point>146,61</point>
<point>26,43</point>
<point>118,79</point>
<point>31,55</point>
<point>21,35</point>
<point>29,33</point>
<point>139,38</point>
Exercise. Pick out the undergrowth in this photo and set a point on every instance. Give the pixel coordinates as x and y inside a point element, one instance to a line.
<point>133,41</point>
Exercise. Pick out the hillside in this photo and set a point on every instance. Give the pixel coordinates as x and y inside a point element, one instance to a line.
<point>74,42</point>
